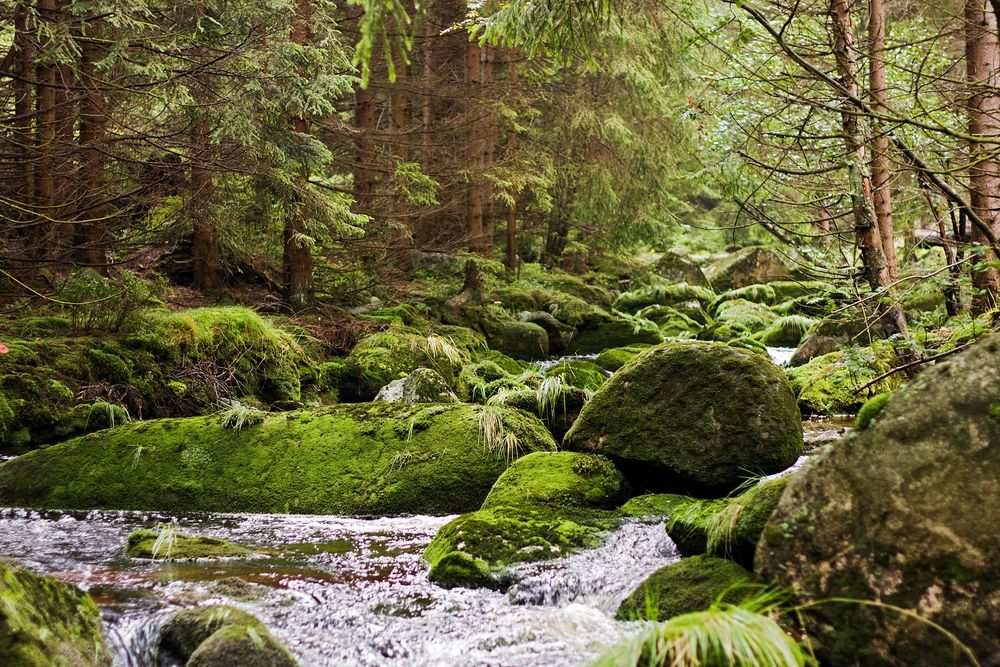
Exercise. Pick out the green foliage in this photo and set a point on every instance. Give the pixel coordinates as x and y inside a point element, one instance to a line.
<point>238,416</point>
<point>97,302</point>
<point>725,635</point>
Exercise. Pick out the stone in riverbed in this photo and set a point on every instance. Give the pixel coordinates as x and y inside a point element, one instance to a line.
<point>902,512</point>
<point>44,622</point>
<point>423,385</point>
<point>689,585</point>
<point>692,418</point>
<point>365,459</point>
<point>143,544</point>
<point>220,636</point>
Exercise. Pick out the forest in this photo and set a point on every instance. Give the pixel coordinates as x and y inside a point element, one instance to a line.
<point>563,333</point>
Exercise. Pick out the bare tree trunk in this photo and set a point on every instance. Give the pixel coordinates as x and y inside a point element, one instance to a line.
<point>90,224</point>
<point>296,260</point>
<point>488,151</point>
<point>880,142</point>
<point>982,62</point>
<point>364,125</point>
<point>204,241</point>
<point>399,114</point>
<point>512,213</point>
<point>473,150</point>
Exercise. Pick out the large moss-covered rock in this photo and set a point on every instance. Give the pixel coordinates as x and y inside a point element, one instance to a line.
<point>692,584</point>
<point>749,266</point>
<point>786,331</point>
<point>614,333</point>
<point>368,458</point>
<point>177,546</point>
<point>220,636</point>
<point>559,334</point>
<point>579,373</point>
<point>828,385</point>
<point>544,506</point>
<point>44,622</point>
<point>693,416</point>
<point>737,318</point>
<point>653,505</point>
<point>901,513</point>
<point>522,340</point>
<point>557,409</point>
<point>672,322</point>
<point>663,295</point>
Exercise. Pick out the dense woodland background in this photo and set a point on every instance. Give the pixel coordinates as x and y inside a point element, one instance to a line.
<point>222,143</point>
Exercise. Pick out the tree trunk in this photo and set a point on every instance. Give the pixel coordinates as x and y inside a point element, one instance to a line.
<point>473,150</point>
<point>45,138</point>
<point>867,237</point>
<point>296,260</point>
<point>24,103</point>
<point>204,242</point>
<point>512,212</point>
<point>364,125</point>
<point>982,61</point>
<point>488,152</point>
<point>399,114</point>
<point>880,142</point>
<point>90,224</point>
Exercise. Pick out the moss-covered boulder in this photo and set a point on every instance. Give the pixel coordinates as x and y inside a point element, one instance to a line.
<point>672,322</point>
<point>165,544</point>
<point>544,506</point>
<point>738,318</point>
<point>613,359</point>
<point>692,584</point>
<point>728,528</point>
<point>853,327</point>
<point>676,267</point>
<point>693,417</point>
<point>579,373</point>
<point>902,513</point>
<point>749,266</point>
<point>762,294</point>
<point>663,295</point>
<point>220,636</point>
<point>619,332</point>
<point>521,340</point>
<point>390,355</point>
<point>423,385</point>
<point>44,622</point>
<point>828,385</point>
<point>367,459</point>
<point>787,331</point>
<point>558,407</point>
<point>870,411</point>
<point>559,334</point>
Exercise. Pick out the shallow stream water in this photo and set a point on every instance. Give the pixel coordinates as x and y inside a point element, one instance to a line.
<point>342,591</point>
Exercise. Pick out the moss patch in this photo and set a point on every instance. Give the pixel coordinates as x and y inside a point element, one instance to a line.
<point>143,544</point>
<point>44,622</point>
<point>544,506</point>
<point>687,586</point>
<point>367,459</point>
<point>221,636</point>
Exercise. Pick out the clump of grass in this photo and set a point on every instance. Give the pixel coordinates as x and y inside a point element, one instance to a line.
<point>495,436</point>
<point>166,540</point>
<point>724,635</point>
<point>239,417</point>
<point>440,347</point>
<point>548,396</point>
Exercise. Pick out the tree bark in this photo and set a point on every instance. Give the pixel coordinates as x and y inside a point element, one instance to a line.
<point>364,125</point>
<point>982,63</point>
<point>473,148</point>
<point>297,261</point>
<point>90,224</point>
<point>882,196</point>
<point>45,139</point>
<point>24,104</point>
<point>867,237</point>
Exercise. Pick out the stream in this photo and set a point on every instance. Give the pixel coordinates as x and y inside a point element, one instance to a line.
<point>343,591</point>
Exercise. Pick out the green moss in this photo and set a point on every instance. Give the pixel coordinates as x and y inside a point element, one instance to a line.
<point>728,528</point>
<point>614,333</point>
<point>370,459</point>
<point>143,544</point>
<point>221,636</point>
<point>692,584</point>
<point>672,322</point>
<point>737,318</point>
<point>870,411</point>
<point>521,340</point>
<point>544,506</point>
<point>748,266</point>
<point>579,373</point>
<point>677,419</point>
<point>44,622</point>
<point>828,384</point>
<point>662,295</point>
<point>653,505</point>
<point>615,358</point>
<point>787,331</point>
<point>762,294</point>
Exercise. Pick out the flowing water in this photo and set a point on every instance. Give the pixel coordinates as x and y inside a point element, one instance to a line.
<point>343,591</point>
